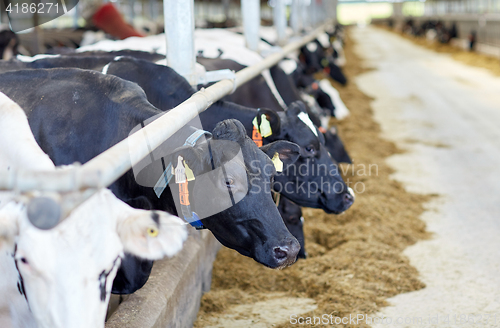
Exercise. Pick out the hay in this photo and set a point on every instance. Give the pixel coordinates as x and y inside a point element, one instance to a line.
<point>355,259</point>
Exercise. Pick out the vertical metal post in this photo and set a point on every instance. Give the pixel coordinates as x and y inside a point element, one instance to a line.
<point>280,20</point>
<point>76,15</point>
<point>131,4</point>
<point>179,31</point>
<point>250,9</point>
<point>152,10</point>
<point>334,11</point>
<point>225,5</point>
<point>304,10</point>
<point>295,17</point>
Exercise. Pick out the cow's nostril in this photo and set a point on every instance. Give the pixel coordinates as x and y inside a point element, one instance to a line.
<point>280,253</point>
<point>348,199</point>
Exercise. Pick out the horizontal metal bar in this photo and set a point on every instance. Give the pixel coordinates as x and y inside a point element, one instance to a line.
<point>107,167</point>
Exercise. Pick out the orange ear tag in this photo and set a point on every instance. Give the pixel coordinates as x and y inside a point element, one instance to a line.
<point>256,137</point>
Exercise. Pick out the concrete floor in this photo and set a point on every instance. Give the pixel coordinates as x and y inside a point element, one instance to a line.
<point>447,116</point>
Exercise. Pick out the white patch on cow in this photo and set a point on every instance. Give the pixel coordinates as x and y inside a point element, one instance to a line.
<point>340,61</point>
<point>305,118</point>
<point>91,37</point>
<point>155,43</point>
<point>28,59</point>
<point>67,270</point>
<point>270,83</point>
<point>315,108</point>
<point>208,40</point>
<point>325,120</point>
<point>233,47</point>
<point>312,46</point>
<point>341,110</point>
<point>309,100</point>
<point>351,192</point>
<point>288,66</point>
<point>431,35</point>
<point>324,39</point>
<point>162,62</point>
<point>105,69</point>
<point>20,151</point>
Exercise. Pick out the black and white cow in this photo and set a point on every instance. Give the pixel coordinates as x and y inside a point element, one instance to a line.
<point>76,114</point>
<point>62,277</point>
<point>165,89</point>
<point>9,44</point>
<point>294,221</point>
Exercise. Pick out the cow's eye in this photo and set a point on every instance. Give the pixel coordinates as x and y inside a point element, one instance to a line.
<point>152,232</point>
<point>23,260</point>
<point>310,149</point>
<point>230,183</point>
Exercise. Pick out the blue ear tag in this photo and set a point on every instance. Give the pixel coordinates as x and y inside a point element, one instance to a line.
<point>163,181</point>
<point>196,221</point>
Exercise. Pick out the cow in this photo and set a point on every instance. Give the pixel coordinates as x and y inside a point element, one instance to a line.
<point>9,44</point>
<point>165,89</point>
<point>62,277</point>
<point>256,94</point>
<point>77,114</point>
<point>294,221</point>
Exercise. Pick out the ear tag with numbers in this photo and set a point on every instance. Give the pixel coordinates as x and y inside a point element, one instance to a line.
<point>180,171</point>
<point>278,164</point>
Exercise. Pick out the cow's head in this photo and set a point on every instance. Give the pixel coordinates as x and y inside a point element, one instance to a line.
<point>314,179</point>
<point>231,193</point>
<point>316,59</point>
<point>66,273</point>
<point>294,221</point>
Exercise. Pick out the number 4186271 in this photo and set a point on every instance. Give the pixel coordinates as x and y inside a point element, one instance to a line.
<point>40,8</point>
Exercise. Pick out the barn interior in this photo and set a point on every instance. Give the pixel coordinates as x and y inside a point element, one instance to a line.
<point>401,98</point>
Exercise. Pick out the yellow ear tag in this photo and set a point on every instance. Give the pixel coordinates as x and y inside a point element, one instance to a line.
<point>278,164</point>
<point>265,127</point>
<point>152,232</point>
<point>189,172</point>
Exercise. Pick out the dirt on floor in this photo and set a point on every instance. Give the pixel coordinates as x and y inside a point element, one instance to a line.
<point>471,58</point>
<point>355,260</point>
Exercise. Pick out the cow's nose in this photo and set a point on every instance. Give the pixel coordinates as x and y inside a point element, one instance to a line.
<point>287,254</point>
<point>349,198</point>
<point>280,253</point>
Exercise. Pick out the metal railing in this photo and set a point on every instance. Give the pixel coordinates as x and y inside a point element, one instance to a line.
<point>107,167</point>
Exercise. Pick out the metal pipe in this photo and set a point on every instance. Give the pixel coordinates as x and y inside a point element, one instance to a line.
<point>305,13</point>
<point>280,21</point>
<point>179,31</point>
<point>295,17</point>
<point>108,166</point>
<point>250,9</point>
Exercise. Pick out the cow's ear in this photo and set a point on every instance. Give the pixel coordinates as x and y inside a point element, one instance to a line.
<point>151,234</point>
<point>197,159</point>
<point>273,119</point>
<point>230,129</point>
<point>296,108</point>
<point>288,151</point>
